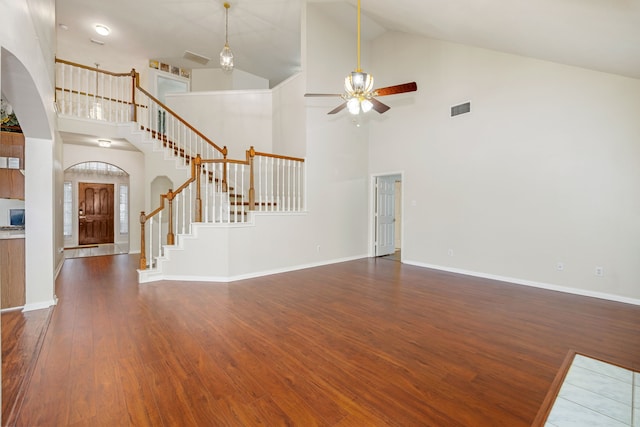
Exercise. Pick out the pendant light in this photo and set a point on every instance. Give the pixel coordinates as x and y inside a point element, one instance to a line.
<point>226,56</point>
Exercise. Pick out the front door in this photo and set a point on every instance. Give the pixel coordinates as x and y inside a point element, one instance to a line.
<point>95,213</point>
<point>385,215</point>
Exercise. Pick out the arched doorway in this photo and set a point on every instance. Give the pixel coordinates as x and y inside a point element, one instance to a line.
<point>96,210</point>
<point>40,157</point>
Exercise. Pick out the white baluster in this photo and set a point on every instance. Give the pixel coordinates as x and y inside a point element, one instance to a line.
<point>289,187</point>
<point>279,185</point>
<point>160,234</point>
<point>243,209</point>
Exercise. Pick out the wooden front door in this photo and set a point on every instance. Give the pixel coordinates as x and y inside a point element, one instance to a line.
<point>95,213</point>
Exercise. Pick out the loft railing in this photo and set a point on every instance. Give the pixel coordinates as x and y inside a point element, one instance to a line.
<point>206,198</point>
<point>219,190</point>
<point>96,94</point>
<point>91,93</point>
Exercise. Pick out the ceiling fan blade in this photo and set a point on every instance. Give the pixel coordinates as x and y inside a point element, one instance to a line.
<point>323,94</point>
<point>379,106</point>
<point>338,108</point>
<point>392,90</point>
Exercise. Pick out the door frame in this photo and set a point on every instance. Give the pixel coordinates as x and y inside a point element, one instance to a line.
<point>373,200</point>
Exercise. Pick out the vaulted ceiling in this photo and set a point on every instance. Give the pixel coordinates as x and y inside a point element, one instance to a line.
<point>264,35</point>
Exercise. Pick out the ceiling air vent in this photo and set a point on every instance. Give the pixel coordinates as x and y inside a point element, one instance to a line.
<point>200,59</point>
<point>460,109</point>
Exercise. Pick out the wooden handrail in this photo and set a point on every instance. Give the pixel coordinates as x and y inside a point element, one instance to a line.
<point>174,114</point>
<point>277,156</point>
<point>86,67</point>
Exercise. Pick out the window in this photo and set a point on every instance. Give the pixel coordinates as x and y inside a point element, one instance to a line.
<point>68,209</point>
<point>123,198</point>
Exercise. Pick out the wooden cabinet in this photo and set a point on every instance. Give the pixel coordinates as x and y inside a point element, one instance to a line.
<point>12,282</point>
<point>12,180</point>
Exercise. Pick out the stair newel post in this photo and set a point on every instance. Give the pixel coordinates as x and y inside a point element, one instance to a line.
<point>197,164</point>
<point>143,255</point>
<point>252,192</point>
<point>134,81</point>
<point>224,170</point>
<point>170,235</point>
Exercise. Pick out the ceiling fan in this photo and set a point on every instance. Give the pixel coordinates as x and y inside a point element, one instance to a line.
<point>359,95</point>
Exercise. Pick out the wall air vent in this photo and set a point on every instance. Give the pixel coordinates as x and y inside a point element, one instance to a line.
<point>460,109</point>
<point>195,57</point>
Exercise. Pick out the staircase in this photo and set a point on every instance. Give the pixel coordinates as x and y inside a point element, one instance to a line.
<point>190,235</point>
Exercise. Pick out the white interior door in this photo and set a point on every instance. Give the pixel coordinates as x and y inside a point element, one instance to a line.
<point>385,215</point>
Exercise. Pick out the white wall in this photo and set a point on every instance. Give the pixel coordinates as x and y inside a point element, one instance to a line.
<point>41,246</point>
<point>131,162</point>
<point>26,79</point>
<point>545,168</point>
<point>237,119</point>
<point>214,79</point>
<point>289,120</point>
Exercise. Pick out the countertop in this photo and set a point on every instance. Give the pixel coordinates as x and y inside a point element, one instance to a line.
<point>11,234</point>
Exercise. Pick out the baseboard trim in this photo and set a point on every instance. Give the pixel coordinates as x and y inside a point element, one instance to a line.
<point>222,279</point>
<point>40,305</point>
<point>524,282</point>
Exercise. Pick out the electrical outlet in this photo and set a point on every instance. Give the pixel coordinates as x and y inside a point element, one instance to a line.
<point>599,271</point>
<point>560,266</point>
<point>450,252</point>
<point>318,248</point>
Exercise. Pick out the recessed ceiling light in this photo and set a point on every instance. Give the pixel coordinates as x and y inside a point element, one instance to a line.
<point>104,143</point>
<point>103,30</point>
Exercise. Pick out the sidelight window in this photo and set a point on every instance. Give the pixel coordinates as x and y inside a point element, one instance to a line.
<point>123,197</point>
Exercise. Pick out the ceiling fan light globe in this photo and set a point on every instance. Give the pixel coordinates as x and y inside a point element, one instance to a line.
<point>366,105</point>
<point>354,106</point>
<point>368,84</point>
<point>359,82</point>
<point>348,87</point>
<point>226,58</point>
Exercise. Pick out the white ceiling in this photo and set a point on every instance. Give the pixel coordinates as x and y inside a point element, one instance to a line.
<point>265,34</point>
<point>92,141</point>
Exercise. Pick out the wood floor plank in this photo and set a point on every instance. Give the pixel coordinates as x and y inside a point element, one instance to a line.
<point>22,339</point>
<point>369,342</point>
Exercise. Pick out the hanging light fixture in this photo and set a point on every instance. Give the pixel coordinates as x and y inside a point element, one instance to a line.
<point>226,56</point>
<point>359,95</point>
<point>358,85</point>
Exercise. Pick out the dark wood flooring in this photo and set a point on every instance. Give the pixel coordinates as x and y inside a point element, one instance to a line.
<point>371,342</point>
<point>22,336</point>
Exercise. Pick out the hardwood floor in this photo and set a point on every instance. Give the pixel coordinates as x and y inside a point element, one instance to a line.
<point>22,335</point>
<point>371,342</point>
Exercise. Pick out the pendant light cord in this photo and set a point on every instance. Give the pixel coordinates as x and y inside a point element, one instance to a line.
<point>358,68</point>
<point>226,25</point>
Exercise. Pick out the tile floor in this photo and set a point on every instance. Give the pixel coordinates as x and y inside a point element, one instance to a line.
<point>596,393</point>
<point>96,250</point>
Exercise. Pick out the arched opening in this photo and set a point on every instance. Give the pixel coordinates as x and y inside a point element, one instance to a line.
<point>41,259</point>
<point>96,210</point>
